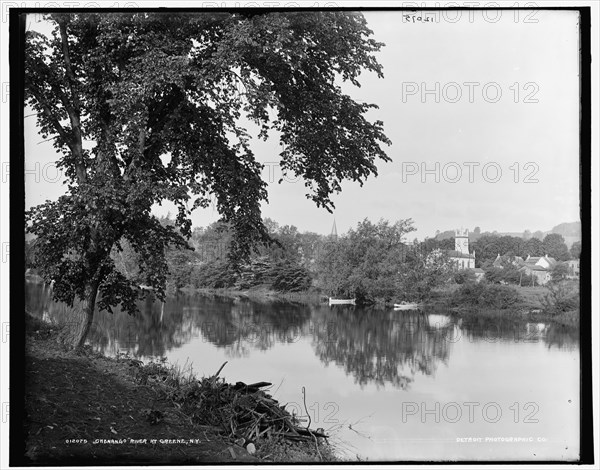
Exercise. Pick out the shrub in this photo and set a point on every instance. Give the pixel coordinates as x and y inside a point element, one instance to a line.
<point>463,276</point>
<point>562,297</point>
<point>214,274</point>
<point>509,274</point>
<point>290,277</point>
<point>498,296</point>
<point>486,295</point>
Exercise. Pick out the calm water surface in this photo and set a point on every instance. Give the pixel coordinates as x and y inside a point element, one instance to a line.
<point>387,385</point>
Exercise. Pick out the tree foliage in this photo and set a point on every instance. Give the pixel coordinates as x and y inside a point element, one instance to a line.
<point>575,250</point>
<point>534,247</point>
<point>486,295</point>
<point>559,272</point>
<point>562,296</point>
<point>148,107</point>
<point>463,276</point>
<point>555,247</point>
<point>373,262</point>
<point>421,273</point>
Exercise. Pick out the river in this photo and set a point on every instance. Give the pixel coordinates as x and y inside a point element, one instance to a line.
<point>386,385</point>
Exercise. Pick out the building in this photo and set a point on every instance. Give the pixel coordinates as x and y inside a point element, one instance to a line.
<point>479,274</point>
<point>460,256</point>
<point>539,267</point>
<point>573,266</point>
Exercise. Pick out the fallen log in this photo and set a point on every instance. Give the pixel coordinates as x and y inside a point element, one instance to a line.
<point>309,432</point>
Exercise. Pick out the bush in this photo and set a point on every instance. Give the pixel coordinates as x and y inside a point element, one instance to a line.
<point>494,275</point>
<point>464,276</point>
<point>562,297</point>
<point>486,295</point>
<point>215,274</point>
<point>284,276</point>
<point>290,277</point>
<point>507,275</point>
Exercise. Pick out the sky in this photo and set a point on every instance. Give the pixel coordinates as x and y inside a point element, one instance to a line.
<point>482,111</point>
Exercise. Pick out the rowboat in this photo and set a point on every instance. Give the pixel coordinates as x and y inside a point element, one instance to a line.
<point>342,301</point>
<point>407,306</point>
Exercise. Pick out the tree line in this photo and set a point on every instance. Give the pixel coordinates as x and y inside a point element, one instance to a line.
<point>488,246</point>
<point>373,262</point>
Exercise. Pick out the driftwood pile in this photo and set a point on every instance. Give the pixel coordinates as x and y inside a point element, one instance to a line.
<point>242,411</point>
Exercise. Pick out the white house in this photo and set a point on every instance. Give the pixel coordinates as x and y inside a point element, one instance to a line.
<point>573,266</point>
<point>540,267</point>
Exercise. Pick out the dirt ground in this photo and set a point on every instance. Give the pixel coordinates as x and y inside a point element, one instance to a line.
<point>87,410</point>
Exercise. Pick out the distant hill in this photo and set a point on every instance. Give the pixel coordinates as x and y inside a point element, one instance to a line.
<point>568,229</point>
<point>571,232</point>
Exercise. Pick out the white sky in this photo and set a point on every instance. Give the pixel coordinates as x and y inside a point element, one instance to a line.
<point>467,133</point>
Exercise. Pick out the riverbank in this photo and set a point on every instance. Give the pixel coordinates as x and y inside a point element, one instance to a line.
<point>530,307</point>
<point>88,409</point>
<point>264,294</point>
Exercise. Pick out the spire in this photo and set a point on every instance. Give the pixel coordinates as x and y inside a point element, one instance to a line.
<point>334,230</point>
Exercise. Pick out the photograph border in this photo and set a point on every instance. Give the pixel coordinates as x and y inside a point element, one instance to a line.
<point>17,222</point>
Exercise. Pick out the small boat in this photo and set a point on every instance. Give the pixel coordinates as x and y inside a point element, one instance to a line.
<point>407,306</point>
<point>342,301</point>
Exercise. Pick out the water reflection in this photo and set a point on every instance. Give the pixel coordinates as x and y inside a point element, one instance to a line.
<point>373,346</point>
<point>378,346</point>
<point>507,330</point>
<point>241,326</point>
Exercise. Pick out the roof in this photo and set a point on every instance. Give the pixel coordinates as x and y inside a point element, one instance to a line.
<point>534,267</point>
<point>478,270</point>
<point>535,259</point>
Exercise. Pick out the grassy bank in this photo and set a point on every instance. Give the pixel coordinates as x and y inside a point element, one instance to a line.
<point>89,409</point>
<point>529,304</point>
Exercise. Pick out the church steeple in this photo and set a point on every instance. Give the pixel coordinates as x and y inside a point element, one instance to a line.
<point>334,233</point>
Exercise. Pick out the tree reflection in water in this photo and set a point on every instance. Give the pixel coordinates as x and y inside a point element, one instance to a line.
<point>380,347</point>
<point>488,329</point>
<point>241,326</point>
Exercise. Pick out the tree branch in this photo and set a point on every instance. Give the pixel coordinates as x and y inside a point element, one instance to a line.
<point>75,110</point>
<point>68,67</point>
<point>51,80</point>
<point>41,99</point>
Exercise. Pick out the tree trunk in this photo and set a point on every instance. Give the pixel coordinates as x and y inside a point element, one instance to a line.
<point>89,304</point>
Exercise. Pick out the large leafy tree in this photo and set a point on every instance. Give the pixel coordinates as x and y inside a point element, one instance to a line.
<point>147,107</point>
<point>367,261</point>
<point>555,246</point>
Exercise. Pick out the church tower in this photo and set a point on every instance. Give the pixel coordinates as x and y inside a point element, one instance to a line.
<point>461,241</point>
